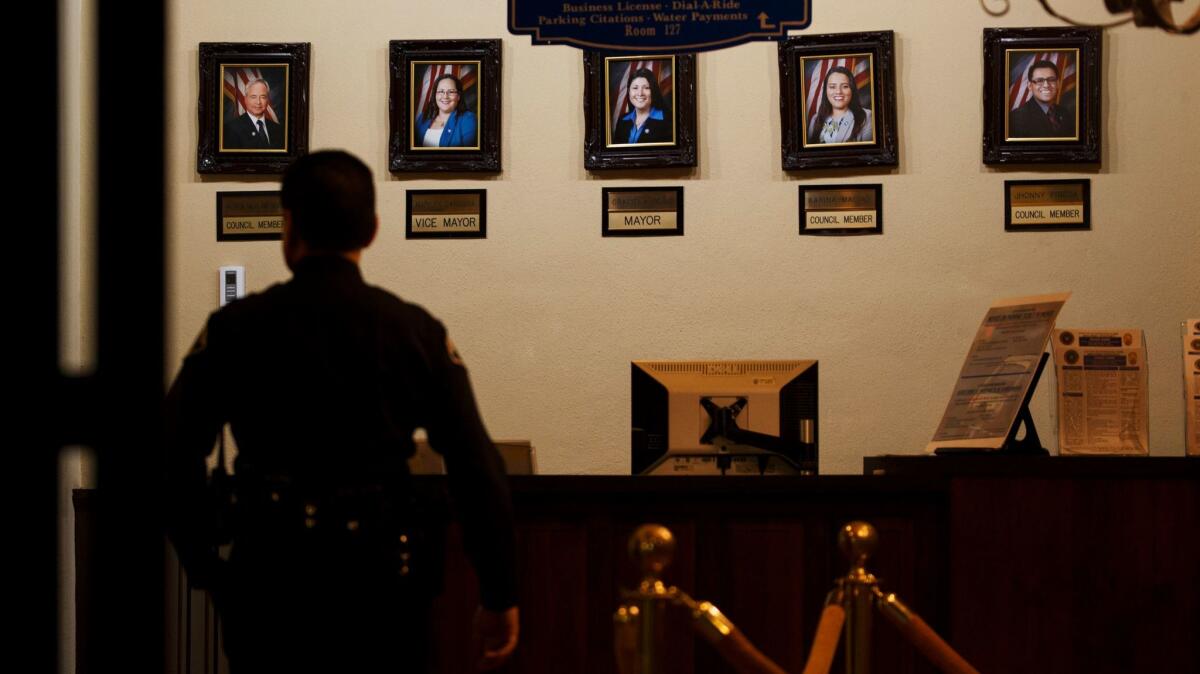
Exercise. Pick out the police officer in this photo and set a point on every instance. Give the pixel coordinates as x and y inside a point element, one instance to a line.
<point>322,380</point>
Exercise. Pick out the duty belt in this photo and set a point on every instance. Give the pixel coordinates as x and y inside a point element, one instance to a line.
<point>372,517</point>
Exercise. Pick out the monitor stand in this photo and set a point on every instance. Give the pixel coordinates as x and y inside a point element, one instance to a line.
<point>734,443</point>
<point>723,424</point>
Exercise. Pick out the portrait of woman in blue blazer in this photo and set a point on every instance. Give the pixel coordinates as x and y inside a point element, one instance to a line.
<point>445,120</point>
<point>649,119</point>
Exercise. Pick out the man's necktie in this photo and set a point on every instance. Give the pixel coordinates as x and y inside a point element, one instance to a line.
<point>1052,115</point>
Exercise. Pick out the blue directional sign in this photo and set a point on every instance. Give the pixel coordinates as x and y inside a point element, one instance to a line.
<point>656,26</point>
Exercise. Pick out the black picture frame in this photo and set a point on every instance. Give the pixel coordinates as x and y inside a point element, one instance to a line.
<point>606,75</point>
<point>877,228</point>
<point>252,231</point>
<point>476,64</point>
<point>805,62</point>
<point>1085,190</point>
<point>236,77</point>
<point>1011,134</point>
<point>410,233</point>
<point>606,228</point>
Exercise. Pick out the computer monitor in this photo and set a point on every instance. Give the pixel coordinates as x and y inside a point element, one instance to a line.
<point>724,417</point>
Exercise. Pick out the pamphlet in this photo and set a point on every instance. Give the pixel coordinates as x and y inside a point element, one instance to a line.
<point>1191,384</point>
<point>997,373</point>
<point>1103,402</point>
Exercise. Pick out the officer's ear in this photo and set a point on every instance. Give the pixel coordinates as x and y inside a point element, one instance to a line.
<point>374,231</point>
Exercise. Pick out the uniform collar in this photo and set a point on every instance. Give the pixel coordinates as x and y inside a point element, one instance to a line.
<point>327,265</point>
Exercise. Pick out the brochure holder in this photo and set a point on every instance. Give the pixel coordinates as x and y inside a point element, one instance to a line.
<point>1030,444</point>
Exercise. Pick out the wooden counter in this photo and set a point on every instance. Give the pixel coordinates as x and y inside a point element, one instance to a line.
<point>1042,564</point>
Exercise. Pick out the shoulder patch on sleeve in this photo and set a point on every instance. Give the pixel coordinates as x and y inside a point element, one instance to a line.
<point>452,352</point>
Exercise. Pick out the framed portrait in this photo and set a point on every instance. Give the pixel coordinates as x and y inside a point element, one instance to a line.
<point>444,105</point>
<point>253,107</point>
<point>837,99</point>
<point>640,110</point>
<point>1041,95</point>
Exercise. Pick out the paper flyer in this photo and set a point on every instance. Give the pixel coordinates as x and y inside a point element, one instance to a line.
<point>997,373</point>
<point>1103,392</point>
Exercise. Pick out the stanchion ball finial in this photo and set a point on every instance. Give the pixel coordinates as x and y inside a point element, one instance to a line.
<point>653,546</point>
<point>857,541</point>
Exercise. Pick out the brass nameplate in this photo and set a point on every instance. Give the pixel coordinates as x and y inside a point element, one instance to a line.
<point>249,216</point>
<point>446,214</point>
<point>1053,204</point>
<point>841,209</point>
<point>643,211</point>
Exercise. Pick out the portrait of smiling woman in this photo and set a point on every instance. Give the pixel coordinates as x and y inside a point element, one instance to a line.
<point>646,122</point>
<point>639,105</point>
<point>444,105</point>
<point>444,116</point>
<point>639,111</point>
<point>837,100</point>
<point>840,115</point>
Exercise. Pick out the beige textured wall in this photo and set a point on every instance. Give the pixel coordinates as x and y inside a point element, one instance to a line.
<point>548,314</point>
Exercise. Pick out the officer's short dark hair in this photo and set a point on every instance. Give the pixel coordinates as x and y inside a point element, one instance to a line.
<point>331,196</point>
<point>1041,64</point>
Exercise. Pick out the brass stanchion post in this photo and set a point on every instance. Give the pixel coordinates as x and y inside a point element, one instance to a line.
<point>857,541</point>
<point>626,630</point>
<point>638,622</point>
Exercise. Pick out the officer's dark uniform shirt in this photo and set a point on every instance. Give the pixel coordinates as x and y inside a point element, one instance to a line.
<point>323,380</point>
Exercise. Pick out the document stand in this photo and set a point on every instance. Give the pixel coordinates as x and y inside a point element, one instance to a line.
<point>1030,445</point>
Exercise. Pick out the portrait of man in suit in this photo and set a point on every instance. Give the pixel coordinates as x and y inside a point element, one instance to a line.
<point>254,117</point>
<point>1042,95</point>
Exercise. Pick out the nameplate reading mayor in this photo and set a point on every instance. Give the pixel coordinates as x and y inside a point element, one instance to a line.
<point>1046,204</point>
<point>643,210</point>
<point>846,209</point>
<point>249,216</point>
<point>446,213</point>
